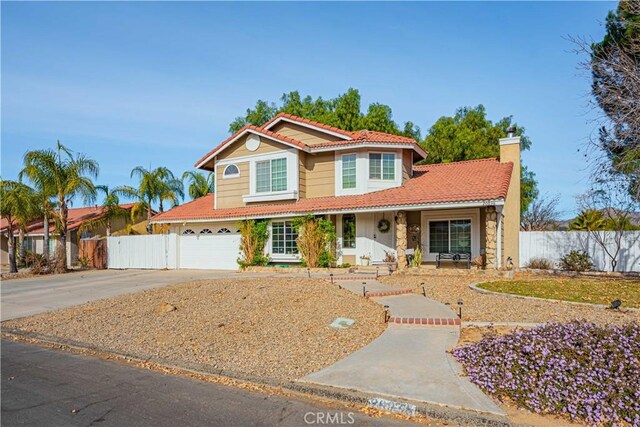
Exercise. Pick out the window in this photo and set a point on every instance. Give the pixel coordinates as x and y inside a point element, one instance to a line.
<point>450,236</point>
<point>205,231</point>
<point>231,171</point>
<point>349,231</point>
<point>284,238</point>
<point>224,230</point>
<point>271,175</point>
<point>349,171</point>
<point>382,166</point>
<point>188,231</point>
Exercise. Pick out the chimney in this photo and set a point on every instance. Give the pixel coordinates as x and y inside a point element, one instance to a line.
<point>510,153</point>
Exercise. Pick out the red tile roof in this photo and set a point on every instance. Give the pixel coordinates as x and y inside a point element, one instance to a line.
<point>354,137</point>
<point>76,217</point>
<point>475,180</point>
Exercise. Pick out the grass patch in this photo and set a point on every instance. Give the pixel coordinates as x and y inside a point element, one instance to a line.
<point>594,291</point>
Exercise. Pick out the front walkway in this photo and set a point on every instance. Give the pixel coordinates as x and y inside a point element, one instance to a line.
<point>408,361</point>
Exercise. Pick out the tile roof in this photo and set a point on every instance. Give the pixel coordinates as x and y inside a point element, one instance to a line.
<point>355,137</point>
<point>468,181</point>
<point>75,218</point>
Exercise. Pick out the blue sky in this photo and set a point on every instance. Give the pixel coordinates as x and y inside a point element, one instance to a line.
<point>158,83</point>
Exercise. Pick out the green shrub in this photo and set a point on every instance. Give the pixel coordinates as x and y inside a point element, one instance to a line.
<point>539,263</point>
<point>344,265</point>
<point>416,261</point>
<point>576,261</point>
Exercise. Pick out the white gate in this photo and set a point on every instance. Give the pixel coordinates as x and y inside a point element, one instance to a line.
<point>156,251</point>
<point>203,251</point>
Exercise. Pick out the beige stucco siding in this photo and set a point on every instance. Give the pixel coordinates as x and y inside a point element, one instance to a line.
<point>303,134</point>
<point>511,209</point>
<point>229,191</point>
<point>320,175</point>
<point>407,165</point>
<point>238,148</point>
<point>302,177</point>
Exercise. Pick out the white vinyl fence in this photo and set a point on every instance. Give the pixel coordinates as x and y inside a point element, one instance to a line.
<point>171,251</point>
<point>155,251</point>
<point>554,245</point>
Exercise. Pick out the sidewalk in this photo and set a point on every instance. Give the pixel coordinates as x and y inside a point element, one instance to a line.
<point>408,361</point>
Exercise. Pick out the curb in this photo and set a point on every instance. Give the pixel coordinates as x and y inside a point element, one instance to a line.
<point>353,397</point>
<point>474,286</point>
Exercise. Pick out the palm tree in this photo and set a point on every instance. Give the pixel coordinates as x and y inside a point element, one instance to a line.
<point>111,211</point>
<point>45,194</point>
<point>18,204</point>
<point>155,185</point>
<point>69,177</point>
<point>588,220</point>
<point>200,185</point>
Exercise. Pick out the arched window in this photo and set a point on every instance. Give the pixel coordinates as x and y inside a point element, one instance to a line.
<point>231,171</point>
<point>188,231</point>
<point>224,230</point>
<point>205,231</point>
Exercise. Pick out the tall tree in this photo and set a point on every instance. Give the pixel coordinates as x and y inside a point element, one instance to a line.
<point>614,65</point>
<point>470,135</point>
<point>46,193</point>
<point>70,176</point>
<point>343,111</point>
<point>18,205</point>
<point>199,184</point>
<point>111,211</point>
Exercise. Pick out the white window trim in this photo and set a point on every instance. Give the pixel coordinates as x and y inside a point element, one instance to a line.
<point>470,214</point>
<point>291,192</point>
<point>235,175</point>
<point>280,257</point>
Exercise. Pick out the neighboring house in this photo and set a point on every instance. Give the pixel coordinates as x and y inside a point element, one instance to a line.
<point>366,182</point>
<point>34,237</point>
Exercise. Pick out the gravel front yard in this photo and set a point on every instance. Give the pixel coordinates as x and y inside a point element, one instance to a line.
<point>275,328</point>
<point>495,308</point>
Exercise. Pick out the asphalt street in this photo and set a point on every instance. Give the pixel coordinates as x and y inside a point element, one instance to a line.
<point>45,387</point>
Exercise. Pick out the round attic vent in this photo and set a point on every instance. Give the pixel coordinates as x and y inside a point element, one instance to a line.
<point>253,142</point>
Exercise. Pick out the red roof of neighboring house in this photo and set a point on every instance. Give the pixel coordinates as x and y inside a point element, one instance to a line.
<point>75,218</point>
<point>468,181</point>
<point>353,137</point>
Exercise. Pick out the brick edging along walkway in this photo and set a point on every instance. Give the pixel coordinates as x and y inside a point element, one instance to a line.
<point>425,321</point>
<point>370,294</point>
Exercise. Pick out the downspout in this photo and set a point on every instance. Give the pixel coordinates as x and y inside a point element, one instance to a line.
<point>499,237</point>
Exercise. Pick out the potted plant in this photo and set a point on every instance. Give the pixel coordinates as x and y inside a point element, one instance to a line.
<point>391,260</point>
<point>364,259</point>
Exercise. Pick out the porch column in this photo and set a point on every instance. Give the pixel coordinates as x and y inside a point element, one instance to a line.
<point>401,239</point>
<point>491,230</point>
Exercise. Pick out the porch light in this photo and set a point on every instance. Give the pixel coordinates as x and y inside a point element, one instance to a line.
<point>509,263</point>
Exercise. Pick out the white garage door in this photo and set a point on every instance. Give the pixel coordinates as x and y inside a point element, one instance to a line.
<point>209,251</point>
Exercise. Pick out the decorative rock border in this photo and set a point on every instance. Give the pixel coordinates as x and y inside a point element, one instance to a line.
<point>475,287</point>
<point>371,294</point>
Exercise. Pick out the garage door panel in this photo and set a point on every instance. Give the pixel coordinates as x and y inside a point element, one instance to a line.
<point>204,251</point>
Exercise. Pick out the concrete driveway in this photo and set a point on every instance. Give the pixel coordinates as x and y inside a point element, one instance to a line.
<point>24,297</point>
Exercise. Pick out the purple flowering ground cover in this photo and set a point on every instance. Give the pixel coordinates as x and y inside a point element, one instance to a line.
<point>588,372</point>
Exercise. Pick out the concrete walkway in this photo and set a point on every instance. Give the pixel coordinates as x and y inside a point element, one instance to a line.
<point>408,361</point>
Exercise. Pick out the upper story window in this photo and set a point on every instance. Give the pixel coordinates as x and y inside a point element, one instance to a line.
<point>271,175</point>
<point>231,171</point>
<point>349,171</point>
<point>382,166</point>
<point>349,231</point>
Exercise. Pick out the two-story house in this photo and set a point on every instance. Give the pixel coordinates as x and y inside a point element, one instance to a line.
<point>367,183</point>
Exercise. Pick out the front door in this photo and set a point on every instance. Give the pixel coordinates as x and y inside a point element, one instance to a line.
<point>383,232</point>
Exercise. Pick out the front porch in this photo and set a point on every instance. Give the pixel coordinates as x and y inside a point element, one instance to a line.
<point>374,237</point>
